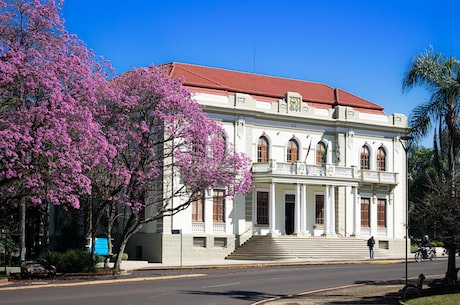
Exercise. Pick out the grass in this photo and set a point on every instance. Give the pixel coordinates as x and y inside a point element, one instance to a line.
<point>444,299</point>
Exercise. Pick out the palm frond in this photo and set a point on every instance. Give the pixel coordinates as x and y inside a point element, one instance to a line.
<point>425,70</point>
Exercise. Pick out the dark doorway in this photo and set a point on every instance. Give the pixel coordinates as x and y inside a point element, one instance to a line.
<point>289,214</point>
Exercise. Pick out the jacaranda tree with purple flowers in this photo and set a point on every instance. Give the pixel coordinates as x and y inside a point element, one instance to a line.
<point>69,137</point>
<point>50,86</point>
<point>166,148</point>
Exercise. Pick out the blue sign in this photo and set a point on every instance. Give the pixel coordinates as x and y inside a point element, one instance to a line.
<point>101,247</point>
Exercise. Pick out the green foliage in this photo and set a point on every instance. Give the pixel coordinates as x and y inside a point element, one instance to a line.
<point>444,299</point>
<point>439,244</point>
<point>431,210</point>
<point>413,248</point>
<point>124,257</point>
<point>8,245</point>
<point>72,261</point>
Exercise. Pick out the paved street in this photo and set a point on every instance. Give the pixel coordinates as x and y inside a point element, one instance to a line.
<point>225,283</point>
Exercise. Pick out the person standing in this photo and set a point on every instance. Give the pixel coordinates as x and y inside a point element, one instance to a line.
<point>370,244</point>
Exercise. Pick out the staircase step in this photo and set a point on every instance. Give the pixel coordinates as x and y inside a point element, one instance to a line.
<point>284,247</point>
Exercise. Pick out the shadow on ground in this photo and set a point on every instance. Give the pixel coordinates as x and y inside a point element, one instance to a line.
<point>245,295</point>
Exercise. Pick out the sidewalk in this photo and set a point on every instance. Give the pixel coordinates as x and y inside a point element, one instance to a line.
<point>377,293</point>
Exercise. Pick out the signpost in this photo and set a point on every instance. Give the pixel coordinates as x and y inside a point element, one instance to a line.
<point>4,237</point>
<point>179,231</point>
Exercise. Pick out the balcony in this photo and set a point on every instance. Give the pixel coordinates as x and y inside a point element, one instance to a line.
<point>303,170</point>
<point>369,176</point>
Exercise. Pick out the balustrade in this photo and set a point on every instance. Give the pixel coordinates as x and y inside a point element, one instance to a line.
<point>328,170</point>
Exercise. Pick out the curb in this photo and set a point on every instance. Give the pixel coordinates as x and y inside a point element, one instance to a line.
<point>101,282</point>
<point>262,265</point>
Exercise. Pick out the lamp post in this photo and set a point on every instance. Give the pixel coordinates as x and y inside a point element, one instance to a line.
<point>404,146</point>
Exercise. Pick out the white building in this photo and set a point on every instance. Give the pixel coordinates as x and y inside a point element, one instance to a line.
<point>325,163</point>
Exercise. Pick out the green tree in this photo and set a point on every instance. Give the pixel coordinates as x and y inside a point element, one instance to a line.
<point>427,185</point>
<point>440,75</point>
<point>420,211</point>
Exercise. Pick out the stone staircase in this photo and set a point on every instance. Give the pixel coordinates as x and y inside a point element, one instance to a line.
<point>261,247</point>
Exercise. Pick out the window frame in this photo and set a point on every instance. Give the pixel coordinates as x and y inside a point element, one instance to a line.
<point>320,151</point>
<point>365,154</point>
<point>262,208</point>
<point>365,212</point>
<point>263,150</point>
<point>292,152</point>
<point>319,210</point>
<point>381,213</point>
<point>381,159</point>
<point>197,204</point>
<point>218,206</point>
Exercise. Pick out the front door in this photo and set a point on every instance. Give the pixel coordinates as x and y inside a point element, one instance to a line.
<point>289,214</point>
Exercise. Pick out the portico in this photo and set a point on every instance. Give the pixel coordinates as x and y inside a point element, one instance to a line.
<point>312,187</point>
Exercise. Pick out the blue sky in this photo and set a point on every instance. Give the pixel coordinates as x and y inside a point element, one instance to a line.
<point>363,47</point>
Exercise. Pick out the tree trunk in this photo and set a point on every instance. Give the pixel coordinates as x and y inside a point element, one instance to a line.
<point>46,228</point>
<point>117,265</point>
<point>111,211</point>
<point>451,274</point>
<point>128,232</point>
<point>22,230</point>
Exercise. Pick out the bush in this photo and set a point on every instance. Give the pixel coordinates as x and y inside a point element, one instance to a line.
<point>72,261</point>
<point>124,257</point>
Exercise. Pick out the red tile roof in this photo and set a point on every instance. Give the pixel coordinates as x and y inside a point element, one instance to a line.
<point>262,85</point>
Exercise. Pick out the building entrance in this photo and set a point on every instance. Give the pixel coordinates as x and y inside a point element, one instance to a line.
<point>289,214</point>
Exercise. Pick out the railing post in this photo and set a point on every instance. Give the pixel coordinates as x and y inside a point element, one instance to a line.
<point>272,165</point>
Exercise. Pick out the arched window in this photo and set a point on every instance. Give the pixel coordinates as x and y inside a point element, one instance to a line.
<point>292,151</point>
<point>365,153</point>
<point>321,153</point>
<point>381,159</point>
<point>262,149</point>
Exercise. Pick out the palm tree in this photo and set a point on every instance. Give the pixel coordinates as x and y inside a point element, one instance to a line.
<point>440,75</point>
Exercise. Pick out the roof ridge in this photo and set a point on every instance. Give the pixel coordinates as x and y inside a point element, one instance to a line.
<point>180,66</point>
<point>361,98</point>
<point>255,74</point>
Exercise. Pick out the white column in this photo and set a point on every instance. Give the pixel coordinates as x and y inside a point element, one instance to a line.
<point>326,210</point>
<point>373,223</point>
<point>271,211</point>
<point>297,209</point>
<point>303,209</point>
<point>332,209</point>
<point>356,211</point>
